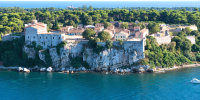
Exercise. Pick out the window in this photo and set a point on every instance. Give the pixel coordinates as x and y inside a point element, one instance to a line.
<point>123,36</point>
<point>46,37</point>
<point>116,39</point>
<point>53,37</point>
<point>40,37</point>
<point>28,37</point>
<point>34,37</point>
<point>59,37</point>
<point>123,39</point>
<point>116,36</point>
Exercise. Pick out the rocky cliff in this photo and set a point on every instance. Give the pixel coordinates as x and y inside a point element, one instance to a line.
<point>125,55</point>
<point>112,58</point>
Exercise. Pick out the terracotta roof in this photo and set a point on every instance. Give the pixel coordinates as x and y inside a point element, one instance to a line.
<point>119,30</point>
<point>109,31</point>
<point>76,30</point>
<point>136,27</point>
<point>123,32</point>
<point>130,23</point>
<point>144,30</point>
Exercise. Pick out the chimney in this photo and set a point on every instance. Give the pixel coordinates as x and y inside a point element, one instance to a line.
<point>33,21</point>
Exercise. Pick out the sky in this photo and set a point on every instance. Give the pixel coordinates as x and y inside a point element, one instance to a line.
<point>99,0</point>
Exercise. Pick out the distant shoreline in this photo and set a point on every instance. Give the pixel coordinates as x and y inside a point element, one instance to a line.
<point>97,4</point>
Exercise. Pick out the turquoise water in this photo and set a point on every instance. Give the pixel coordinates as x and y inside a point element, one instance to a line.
<point>173,85</point>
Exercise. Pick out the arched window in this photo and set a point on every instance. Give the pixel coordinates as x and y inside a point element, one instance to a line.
<point>40,37</point>
<point>28,37</point>
<point>53,37</point>
<point>46,37</point>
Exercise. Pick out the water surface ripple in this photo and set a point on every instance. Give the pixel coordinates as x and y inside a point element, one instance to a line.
<point>173,85</point>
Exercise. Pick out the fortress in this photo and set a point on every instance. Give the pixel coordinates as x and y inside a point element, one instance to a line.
<point>36,31</point>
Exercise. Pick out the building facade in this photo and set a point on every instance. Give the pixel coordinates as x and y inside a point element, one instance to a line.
<point>121,36</point>
<point>38,32</point>
<point>142,33</point>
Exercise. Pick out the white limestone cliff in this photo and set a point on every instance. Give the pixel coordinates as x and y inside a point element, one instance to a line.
<point>128,54</point>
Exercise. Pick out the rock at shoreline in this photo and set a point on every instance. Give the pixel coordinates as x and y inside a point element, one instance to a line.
<point>43,69</point>
<point>26,70</point>
<point>20,69</point>
<point>49,69</point>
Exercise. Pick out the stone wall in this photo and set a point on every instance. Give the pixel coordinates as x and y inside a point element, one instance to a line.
<point>8,37</point>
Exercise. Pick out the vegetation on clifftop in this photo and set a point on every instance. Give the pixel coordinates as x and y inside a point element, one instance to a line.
<point>180,51</point>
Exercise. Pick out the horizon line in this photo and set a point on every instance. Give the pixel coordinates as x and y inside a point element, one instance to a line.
<point>102,0</point>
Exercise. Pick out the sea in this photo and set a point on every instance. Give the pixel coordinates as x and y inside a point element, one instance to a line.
<point>171,85</point>
<point>99,4</point>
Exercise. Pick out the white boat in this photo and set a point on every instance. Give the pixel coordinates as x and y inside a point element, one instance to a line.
<point>194,80</point>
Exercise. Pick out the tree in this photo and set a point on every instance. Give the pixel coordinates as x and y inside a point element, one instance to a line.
<point>70,23</point>
<point>87,20</point>
<point>106,24</point>
<point>91,8</point>
<point>178,41</point>
<point>186,46</point>
<point>120,42</point>
<point>124,25</point>
<point>84,7</point>
<point>93,42</point>
<point>104,36</point>
<point>0,36</point>
<point>195,48</point>
<point>55,25</point>
<point>188,30</point>
<point>195,32</point>
<point>142,26</point>
<point>196,9</point>
<point>88,33</point>
<point>198,57</point>
<point>153,27</point>
<point>109,44</point>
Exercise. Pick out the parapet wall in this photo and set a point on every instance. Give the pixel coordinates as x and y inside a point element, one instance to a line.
<point>9,38</point>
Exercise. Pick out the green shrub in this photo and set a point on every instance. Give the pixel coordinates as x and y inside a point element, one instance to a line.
<point>60,45</point>
<point>98,49</point>
<point>86,65</point>
<point>48,59</point>
<point>120,42</point>
<point>76,62</point>
<point>109,44</point>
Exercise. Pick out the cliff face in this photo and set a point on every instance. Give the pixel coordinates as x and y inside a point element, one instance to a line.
<point>66,53</point>
<point>128,54</point>
<point>110,58</point>
<point>30,52</point>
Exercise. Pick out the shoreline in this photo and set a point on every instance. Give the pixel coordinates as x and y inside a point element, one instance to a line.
<point>174,68</point>
<point>70,71</point>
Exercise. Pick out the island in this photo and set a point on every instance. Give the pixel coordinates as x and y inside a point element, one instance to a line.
<point>117,40</point>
